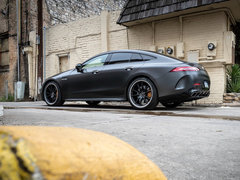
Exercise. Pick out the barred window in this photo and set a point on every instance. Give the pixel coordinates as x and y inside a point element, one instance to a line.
<point>4,55</point>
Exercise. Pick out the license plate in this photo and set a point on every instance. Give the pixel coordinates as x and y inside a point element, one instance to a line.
<point>206,84</point>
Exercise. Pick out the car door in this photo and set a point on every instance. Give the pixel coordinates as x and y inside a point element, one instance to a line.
<point>117,72</point>
<point>88,82</point>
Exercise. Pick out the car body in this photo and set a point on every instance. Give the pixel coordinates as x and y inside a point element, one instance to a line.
<point>122,75</point>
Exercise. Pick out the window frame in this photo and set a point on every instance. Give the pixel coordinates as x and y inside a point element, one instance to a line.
<point>106,60</point>
<point>153,57</point>
<point>109,60</point>
<point>4,68</point>
<point>133,53</point>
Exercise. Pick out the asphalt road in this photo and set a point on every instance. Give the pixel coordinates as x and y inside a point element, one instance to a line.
<point>184,146</point>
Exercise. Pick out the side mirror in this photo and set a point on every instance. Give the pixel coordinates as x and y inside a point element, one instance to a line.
<point>79,67</point>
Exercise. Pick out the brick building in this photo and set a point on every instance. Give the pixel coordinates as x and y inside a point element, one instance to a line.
<point>185,27</point>
<point>18,18</point>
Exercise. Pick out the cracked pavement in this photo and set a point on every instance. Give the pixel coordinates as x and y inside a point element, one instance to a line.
<point>186,143</point>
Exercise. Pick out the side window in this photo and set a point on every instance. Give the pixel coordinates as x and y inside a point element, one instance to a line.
<point>95,62</point>
<point>120,58</point>
<point>146,57</point>
<point>136,57</point>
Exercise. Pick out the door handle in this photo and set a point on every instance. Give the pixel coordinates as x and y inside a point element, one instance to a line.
<point>128,68</point>
<point>64,78</point>
<point>95,72</point>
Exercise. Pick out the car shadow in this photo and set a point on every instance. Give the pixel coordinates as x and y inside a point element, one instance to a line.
<point>130,108</point>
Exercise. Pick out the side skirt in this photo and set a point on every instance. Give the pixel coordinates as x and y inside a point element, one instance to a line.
<point>96,99</point>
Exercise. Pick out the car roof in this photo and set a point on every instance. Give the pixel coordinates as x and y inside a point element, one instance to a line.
<point>150,53</point>
<point>131,51</point>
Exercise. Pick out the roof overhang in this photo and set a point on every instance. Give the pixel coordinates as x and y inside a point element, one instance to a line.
<point>231,6</point>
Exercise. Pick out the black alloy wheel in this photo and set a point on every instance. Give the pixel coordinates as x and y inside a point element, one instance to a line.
<point>142,94</point>
<point>93,103</point>
<point>52,94</point>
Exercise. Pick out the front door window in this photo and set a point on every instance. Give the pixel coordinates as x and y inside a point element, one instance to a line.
<point>95,62</point>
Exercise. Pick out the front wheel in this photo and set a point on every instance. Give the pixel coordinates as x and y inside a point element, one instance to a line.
<point>142,94</point>
<point>52,94</point>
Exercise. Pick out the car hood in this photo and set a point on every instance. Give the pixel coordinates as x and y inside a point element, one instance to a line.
<point>62,74</point>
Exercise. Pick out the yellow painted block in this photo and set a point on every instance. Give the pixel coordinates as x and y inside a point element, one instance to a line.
<point>69,153</point>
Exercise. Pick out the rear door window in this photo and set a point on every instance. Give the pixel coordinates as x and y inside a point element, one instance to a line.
<point>146,57</point>
<point>136,57</point>
<point>120,58</point>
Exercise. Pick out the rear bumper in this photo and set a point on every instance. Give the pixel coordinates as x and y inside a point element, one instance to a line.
<point>191,94</point>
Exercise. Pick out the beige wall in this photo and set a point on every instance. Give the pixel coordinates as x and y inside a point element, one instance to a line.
<point>217,75</point>
<point>89,36</point>
<point>82,39</point>
<point>141,36</point>
<point>199,30</point>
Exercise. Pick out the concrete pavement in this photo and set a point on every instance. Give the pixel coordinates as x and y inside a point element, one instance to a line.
<point>220,112</point>
<point>183,147</point>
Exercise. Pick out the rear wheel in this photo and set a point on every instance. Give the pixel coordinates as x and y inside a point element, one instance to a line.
<point>142,94</point>
<point>52,94</point>
<point>93,103</point>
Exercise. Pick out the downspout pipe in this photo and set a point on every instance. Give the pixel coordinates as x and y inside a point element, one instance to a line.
<point>18,29</point>
<point>44,53</point>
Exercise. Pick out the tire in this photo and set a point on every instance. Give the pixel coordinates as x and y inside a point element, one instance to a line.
<point>142,94</point>
<point>52,94</point>
<point>170,104</point>
<point>93,103</point>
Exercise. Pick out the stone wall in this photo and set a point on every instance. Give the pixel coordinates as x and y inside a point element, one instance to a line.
<point>65,11</point>
<point>231,97</point>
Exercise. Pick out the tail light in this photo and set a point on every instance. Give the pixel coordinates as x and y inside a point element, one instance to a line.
<point>185,68</point>
<point>197,84</point>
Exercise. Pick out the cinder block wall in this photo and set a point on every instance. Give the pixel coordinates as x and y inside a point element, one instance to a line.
<point>196,32</point>
<point>89,36</point>
<point>83,39</point>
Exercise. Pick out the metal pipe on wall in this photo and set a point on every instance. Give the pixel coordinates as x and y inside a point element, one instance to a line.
<point>44,53</point>
<point>40,45</point>
<point>18,38</point>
